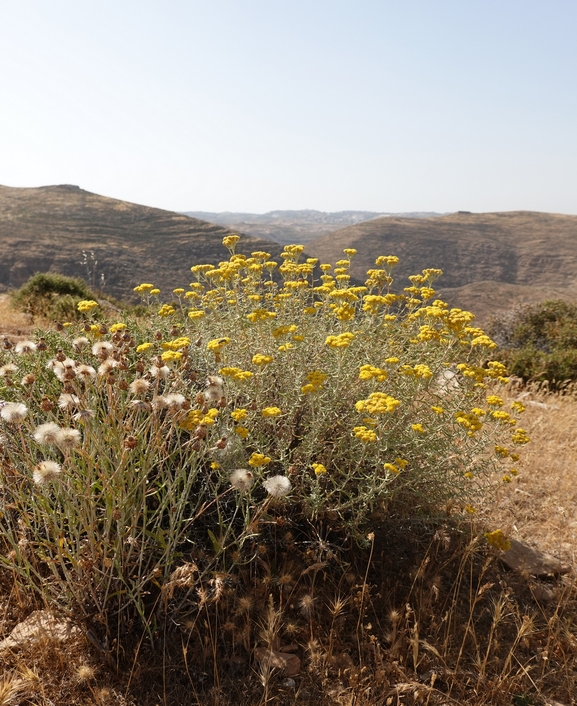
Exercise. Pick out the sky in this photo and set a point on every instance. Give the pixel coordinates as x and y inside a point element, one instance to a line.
<point>256,105</point>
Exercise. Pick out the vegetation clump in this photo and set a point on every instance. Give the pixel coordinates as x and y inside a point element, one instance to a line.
<point>538,342</point>
<point>52,296</point>
<point>151,467</point>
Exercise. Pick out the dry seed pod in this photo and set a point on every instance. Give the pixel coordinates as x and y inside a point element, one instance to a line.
<point>103,329</point>
<point>139,367</point>
<point>59,326</point>
<point>200,431</point>
<point>29,379</point>
<point>198,341</point>
<point>158,336</point>
<point>221,443</point>
<point>222,402</point>
<point>197,445</point>
<point>131,442</point>
<point>8,344</point>
<point>42,346</point>
<point>60,355</point>
<point>123,385</point>
<point>200,399</point>
<point>46,405</point>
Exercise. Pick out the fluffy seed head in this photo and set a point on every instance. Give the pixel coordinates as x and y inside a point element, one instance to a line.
<point>67,401</point>
<point>242,479</point>
<point>14,412</point>
<point>7,369</point>
<point>277,486</point>
<point>102,348</point>
<point>161,372</point>
<point>47,433</point>
<point>23,347</point>
<point>80,343</point>
<point>139,386</point>
<point>46,471</point>
<point>86,371</point>
<point>68,439</point>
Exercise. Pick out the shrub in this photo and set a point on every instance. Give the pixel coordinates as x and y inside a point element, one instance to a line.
<point>142,457</point>
<point>539,342</point>
<point>52,295</point>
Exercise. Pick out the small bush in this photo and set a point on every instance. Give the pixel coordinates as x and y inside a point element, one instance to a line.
<point>52,296</point>
<point>539,342</point>
<point>146,459</point>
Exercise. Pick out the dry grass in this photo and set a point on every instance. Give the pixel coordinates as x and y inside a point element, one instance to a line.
<point>540,506</point>
<point>13,323</point>
<point>426,614</point>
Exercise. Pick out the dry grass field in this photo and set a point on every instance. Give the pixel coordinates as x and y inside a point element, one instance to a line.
<point>433,618</point>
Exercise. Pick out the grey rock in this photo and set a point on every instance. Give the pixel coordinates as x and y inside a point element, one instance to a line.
<point>534,562</point>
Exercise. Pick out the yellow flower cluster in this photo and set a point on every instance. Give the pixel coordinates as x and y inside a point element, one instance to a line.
<point>177,344</point>
<point>260,315</point>
<point>498,540</point>
<point>195,418</point>
<point>341,340</point>
<point>520,437</point>
<point>319,469</point>
<point>86,305</point>
<point>271,412</point>
<point>368,372</point>
<point>365,434</point>
<point>315,380</point>
<point>144,288</point>
<point>217,344</point>
<point>236,373</point>
<point>469,420</point>
<point>257,460</point>
<point>378,403</point>
<point>166,310</point>
<point>260,359</point>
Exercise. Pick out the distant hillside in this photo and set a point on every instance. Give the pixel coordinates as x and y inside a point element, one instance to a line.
<point>490,261</point>
<point>294,226</point>
<point>58,228</point>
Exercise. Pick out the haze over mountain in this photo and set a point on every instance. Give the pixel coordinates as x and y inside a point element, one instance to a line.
<point>490,261</point>
<point>112,244</point>
<point>294,226</point>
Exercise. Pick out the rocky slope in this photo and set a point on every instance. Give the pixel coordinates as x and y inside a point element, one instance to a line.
<point>114,245</point>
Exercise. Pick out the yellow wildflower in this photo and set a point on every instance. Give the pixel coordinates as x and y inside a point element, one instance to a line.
<point>257,460</point>
<point>271,412</point>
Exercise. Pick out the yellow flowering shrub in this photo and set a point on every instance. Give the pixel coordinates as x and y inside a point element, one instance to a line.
<point>280,391</point>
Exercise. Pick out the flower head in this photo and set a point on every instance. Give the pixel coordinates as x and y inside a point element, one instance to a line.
<point>14,412</point>
<point>68,438</point>
<point>242,479</point>
<point>277,486</point>
<point>23,347</point>
<point>46,471</point>
<point>47,433</point>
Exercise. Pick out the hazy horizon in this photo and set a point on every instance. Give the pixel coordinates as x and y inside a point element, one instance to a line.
<point>325,104</point>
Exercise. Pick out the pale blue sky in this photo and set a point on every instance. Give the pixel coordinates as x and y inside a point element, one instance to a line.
<point>255,105</point>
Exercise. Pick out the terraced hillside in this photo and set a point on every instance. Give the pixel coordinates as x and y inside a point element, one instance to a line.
<point>112,244</point>
<point>490,261</point>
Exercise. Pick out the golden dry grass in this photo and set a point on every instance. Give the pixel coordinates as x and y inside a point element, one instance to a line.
<point>13,322</point>
<point>540,505</point>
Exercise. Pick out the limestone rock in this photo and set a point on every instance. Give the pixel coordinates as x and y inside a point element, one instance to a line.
<point>40,625</point>
<point>531,561</point>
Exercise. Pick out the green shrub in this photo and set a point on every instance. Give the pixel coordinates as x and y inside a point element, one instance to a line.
<point>539,342</point>
<point>161,453</point>
<point>52,295</point>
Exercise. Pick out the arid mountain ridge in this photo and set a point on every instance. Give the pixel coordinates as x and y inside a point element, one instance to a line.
<point>491,261</point>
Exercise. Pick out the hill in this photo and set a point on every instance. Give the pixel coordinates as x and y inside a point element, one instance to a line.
<point>294,226</point>
<point>490,261</point>
<point>114,245</point>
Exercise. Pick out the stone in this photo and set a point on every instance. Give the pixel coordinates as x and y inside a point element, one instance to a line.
<point>534,562</point>
<point>40,625</point>
<point>289,664</point>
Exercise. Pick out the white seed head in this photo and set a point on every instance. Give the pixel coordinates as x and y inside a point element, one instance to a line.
<point>46,471</point>
<point>80,343</point>
<point>139,386</point>
<point>86,371</point>
<point>161,373</point>
<point>67,401</point>
<point>7,369</point>
<point>14,412</point>
<point>47,433</point>
<point>23,347</point>
<point>277,486</point>
<point>102,348</point>
<point>242,479</point>
<point>68,438</point>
